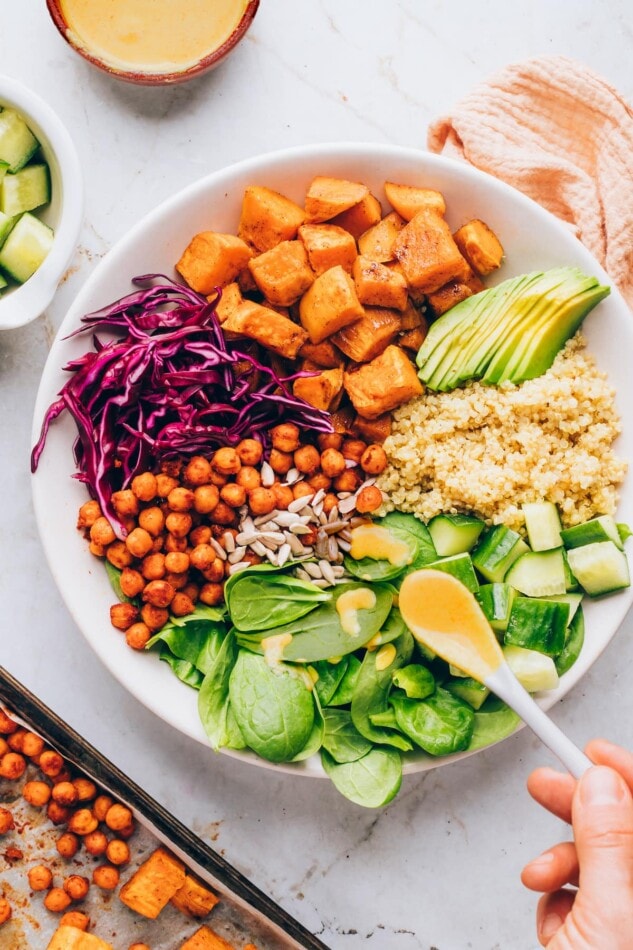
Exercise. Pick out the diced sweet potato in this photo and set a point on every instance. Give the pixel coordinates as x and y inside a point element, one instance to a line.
<point>373,430</point>
<point>282,274</point>
<point>408,200</point>
<point>427,253</point>
<point>360,217</point>
<point>377,242</point>
<point>321,389</point>
<point>327,197</point>
<point>71,938</point>
<point>213,260</point>
<point>330,304</point>
<point>378,286</point>
<point>266,326</point>
<point>383,384</point>
<point>268,217</point>
<point>153,884</point>
<point>413,339</point>
<point>363,340</point>
<point>327,246</point>
<point>410,317</point>
<point>454,292</point>
<point>343,419</point>
<point>324,354</point>
<point>206,939</point>
<point>230,299</point>
<point>194,898</point>
<point>480,246</point>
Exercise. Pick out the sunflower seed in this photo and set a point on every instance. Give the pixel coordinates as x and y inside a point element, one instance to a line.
<point>350,463</point>
<point>318,496</point>
<point>229,542</point>
<point>357,520</point>
<point>236,556</point>
<point>332,549</point>
<point>267,475</point>
<point>333,515</point>
<point>300,529</point>
<point>292,475</point>
<point>323,519</point>
<point>262,519</point>
<point>217,547</point>
<point>302,574</point>
<point>321,546</point>
<point>343,545</point>
<point>246,537</point>
<point>295,544</point>
<point>286,518</point>
<point>283,554</point>
<point>234,568</point>
<point>347,505</point>
<point>300,503</point>
<point>326,570</point>
<point>333,527</point>
<point>320,583</point>
<point>344,535</point>
<point>344,494</point>
<point>318,510</point>
<point>276,537</point>
<point>258,548</point>
<point>313,569</point>
<point>339,570</point>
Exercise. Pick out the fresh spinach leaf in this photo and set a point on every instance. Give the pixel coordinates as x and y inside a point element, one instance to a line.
<point>233,736</point>
<point>214,694</point>
<point>257,602</point>
<point>197,642</point>
<point>341,738</point>
<point>345,689</point>
<point>202,612</point>
<point>371,781</point>
<point>393,627</point>
<point>440,724</point>
<point>493,722</point>
<point>329,678</point>
<point>407,523</point>
<point>573,643</point>
<point>185,671</point>
<point>315,740</point>
<point>372,569</point>
<point>372,692</point>
<point>415,680</point>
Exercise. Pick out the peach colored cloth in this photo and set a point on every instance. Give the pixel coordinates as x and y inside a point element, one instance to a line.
<point>562,135</point>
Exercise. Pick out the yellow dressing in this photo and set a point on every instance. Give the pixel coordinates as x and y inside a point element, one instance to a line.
<point>152,36</point>
<point>443,614</point>
<point>385,656</point>
<point>370,540</point>
<point>274,647</point>
<point>348,605</point>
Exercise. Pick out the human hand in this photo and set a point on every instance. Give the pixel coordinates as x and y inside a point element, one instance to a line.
<point>599,862</point>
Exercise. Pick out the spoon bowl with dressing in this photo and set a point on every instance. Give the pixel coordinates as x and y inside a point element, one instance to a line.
<point>444,616</point>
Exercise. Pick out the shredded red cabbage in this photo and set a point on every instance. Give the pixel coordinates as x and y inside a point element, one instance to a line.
<point>169,384</point>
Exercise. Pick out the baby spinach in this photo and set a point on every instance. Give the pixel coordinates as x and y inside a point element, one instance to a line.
<point>415,680</point>
<point>273,708</point>
<point>440,724</point>
<point>315,739</point>
<point>341,738</point>
<point>185,671</point>
<point>493,722</point>
<point>403,523</point>
<point>370,781</point>
<point>345,689</point>
<point>372,691</point>
<point>213,698</point>
<point>261,603</point>
<point>197,642</point>
<point>329,676</point>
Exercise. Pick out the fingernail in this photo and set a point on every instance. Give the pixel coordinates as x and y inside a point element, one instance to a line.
<point>551,925</point>
<point>601,786</point>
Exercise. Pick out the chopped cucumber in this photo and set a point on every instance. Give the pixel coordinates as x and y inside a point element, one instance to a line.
<point>497,551</point>
<point>624,531</point>
<point>535,671</point>
<point>573,643</point>
<point>496,602</point>
<point>603,528</point>
<point>600,567</point>
<point>6,224</point>
<point>25,190</point>
<point>17,142</point>
<point>542,523</point>
<point>26,247</point>
<point>538,625</point>
<point>461,567</point>
<point>3,282</point>
<point>571,583</point>
<point>4,168</point>
<point>454,534</point>
<point>471,691</point>
<point>538,573</point>
<point>572,599</point>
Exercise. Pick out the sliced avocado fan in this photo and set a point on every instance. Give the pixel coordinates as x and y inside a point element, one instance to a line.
<point>509,332</point>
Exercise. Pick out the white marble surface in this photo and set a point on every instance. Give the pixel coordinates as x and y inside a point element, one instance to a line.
<point>438,868</point>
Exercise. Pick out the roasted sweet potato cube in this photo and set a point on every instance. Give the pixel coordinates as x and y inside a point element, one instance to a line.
<point>324,354</point>
<point>194,898</point>
<point>383,384</point>
<point>282,274</point>
<point>373,430</point>
<point>413,339</point>
<point>410,317</point>
<point>360,217</point>
<point>328,245</point>
<point>377,242</point>
<point>268,217</point>
<point>330,304</point>
<point>480,246</point>
<point>71,938</point>
<point>342,419</point>
<point>153,884</point>
<point>266,326</point>
<point>427,253</point>
<point>327,197</point>
<point>408,200</point>
<point>378,286</point>
<point>230,299</point>
<point>363,340</point>
<point>321,389</point>
<point>213,260</point>
<point>206,939</point>
<point>454,292</point>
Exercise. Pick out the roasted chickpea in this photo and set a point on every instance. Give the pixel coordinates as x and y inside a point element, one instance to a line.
<point>4,746</point>
<point>76,886</point>
<point>180,499</point>
<point>250,451</point>
<point>127,832</point>
<point>118,555</point>
<point>6,821</point>
<point>301,490</point>
<point>67,845</point>
<point>329,440</point>
<point>7,725</point>
<point>165,484</point>
<point>16,740</point>
<point>347,481</point>
<point>106,877</point>
<point>211,594</point>
<point>118,816</point>
<point>153,566</point>
<point>76,919</point>
<point>144,486</point>
<point>132,582</point>
<point>82,822</point>
<point>154,617</point>
<point>12,765</point>
<point>215,572</point>
<point>307,459</point>
<point>40,878</point>
<point>248,477</point>
<point>125,503</point>
<point>152,520</point>
<point>117,852</point>
<point>233,494</point>
<point>261,501</point>
<point>32,744</point>
<point>191,590</point>
<point>218,479</point>
<point>280,462</point>
<point>123,616</point>
<point>332,462</point>
<point>226,461</point>
<point>64,793</point>
<point>86,790</point>
<point>139,542</point>
<point>373,461</point>
<point>5,910</point>
<point>199,535</point>
<point>203,556</point>
<point>176,562</point>
<point>179,523</point>
<point>158,593</point>
<point>205,498</point>
<point>368,499</point>
<point>97,550</point>
<point>283,495</point>
<point>197,471</point>
<point>51,763</point>
<point>353,449</point>
<point>329,502</point>
<point>174,545</point>
<point>101,805</point>
<point>285,437</point>
<point>36,793</point>
<point>319,482</point>
<point>137,635</point>
<point>102,532</point>
<point>223,514</point>
<point>177,581</point>
<point>182,605</point>
<point>58,814</point>
<point>95,843</point>
<point>88,514</point>
<point>57,900</point>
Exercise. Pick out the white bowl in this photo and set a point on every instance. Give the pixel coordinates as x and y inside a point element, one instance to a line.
<point>532,239</point>
<point>21,304</point>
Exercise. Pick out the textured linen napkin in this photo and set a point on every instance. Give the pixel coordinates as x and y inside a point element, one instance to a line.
<point>562,135</point>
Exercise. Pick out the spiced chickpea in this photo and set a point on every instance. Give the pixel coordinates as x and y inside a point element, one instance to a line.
<point>191,590</point>
<point>127,832</point>
<point>233,494</point>
<point>64,775</point>
<point>118,555</point>
<point>118,816</point>
<point>307,459</point>
<point>95,843</point>
<point>5,910</point>
<point>76,919</point>
<point>353,449</point>
<point>139,542</point>
<point>58,814</point>
<point>218,479</point>
<point>40,878</point>
<point>223,514</point>
<point>202,557</point>
<point>32,744</point>
<point>7,725</point>
<point>205,498</point>
<point>301,490</point>
<point>176,562</point>
<point>182,605</point>
<point>211,594</point>
<point>329,502</point>
<point>154,617</point>
<point>250,451</point>
<point>329,440</point>
<point>118,852</point>
<point>261,501</point>
<point>175,545</point>
<point>125,503</point>
<point>347,481</point>
<point>137,635</point>
<point>215,571</point>
<point>319,482</point>
<point>67,845</point>
<point>144,486</point>
<point>102,532</point>
<point>180,499</point>
<point>199,535</point>
<point>280,462</point>
<point>101,805</point>
<point>16,740</point>
<point>6,821</point>
<point>51,763</point>
<point>132,582</point>
<point>152,520</point>
<point>285,437</point>
<point>123,616</point>
<point>373,461</point>
<point>332,462</point>
<point>158,593</point>
<point>139,946</point>
<point>88,514</point>
<point>57,900</point>
<point>283,495</point>
<point>86,790</point>
<point>4,746</point>
<point>177,581</point>
<point>153,566</point>
<point>179,523</point>
<point>226,461</point>
<point>64,793</point>
<point>12,765</point>
<point>76,886</point>
<point>82,822</point>
<point>164,484</point>
<point>36,793</point>
<point>248,477</point>
<point>368,499</point>
<point>97,550</point>
<point>197,471</point>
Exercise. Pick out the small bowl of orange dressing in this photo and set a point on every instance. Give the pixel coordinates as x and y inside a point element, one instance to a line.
<point>153,42</point>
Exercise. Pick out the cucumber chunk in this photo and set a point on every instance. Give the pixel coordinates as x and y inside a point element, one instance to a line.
<point>535,671</point>
<point>538,625</point>
<point>17,142</point>
<point>4,168</point>
<point>572,599</point>
<point>25,190</point>
<point>543,526</point>
<point>26,247</point>
<point>573,643</point>
<point>600,567</point>
<point>496,602</point>
<point>538,573</point>
<point>461,567</point>
<point>454,534</point>
<point>497,551</point>
<point>470,690</point>
<point>603,528</point>
<point>6,225</point>
<point>3,282</point>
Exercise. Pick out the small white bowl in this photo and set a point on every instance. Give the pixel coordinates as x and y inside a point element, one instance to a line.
<point>21,304</point>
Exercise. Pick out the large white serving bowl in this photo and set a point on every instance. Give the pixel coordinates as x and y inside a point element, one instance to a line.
<point>532,239</point>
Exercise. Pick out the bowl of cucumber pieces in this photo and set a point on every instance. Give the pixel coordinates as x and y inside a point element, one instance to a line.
<point>41,203</point>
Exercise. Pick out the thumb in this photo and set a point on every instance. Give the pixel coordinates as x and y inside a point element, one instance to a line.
<point>602,818</point>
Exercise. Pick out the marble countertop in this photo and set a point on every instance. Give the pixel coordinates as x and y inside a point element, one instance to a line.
<point>439,867</point>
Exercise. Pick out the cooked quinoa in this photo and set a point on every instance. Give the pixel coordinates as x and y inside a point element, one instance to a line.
<point>486,450</point>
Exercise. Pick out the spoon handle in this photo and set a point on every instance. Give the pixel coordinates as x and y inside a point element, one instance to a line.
<point>505,685</point>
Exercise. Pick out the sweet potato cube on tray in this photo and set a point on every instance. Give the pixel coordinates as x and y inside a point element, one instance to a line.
<point>212,260</point>
<point>327,197</point>
<point>377,242</point>
<point>330,304</point>
<point>273,330</point>
<point>268,217</point>
<point>360,217</point>
<point>373,430</point>
<point>321,389</point>
<point>194,899</point>
<point>323,354</point>
<point>153,884</point>
<point>328,245</point>
<point>413,339</point>
<point>427,253</point>
<point>378,286</point>
<point>71,938</point>
<point>407,200</point>
<point>383,384</point>
<point>480,246</point>
<point>282,274</point>
<point>206,939</point>
<point>365,339</point>
<point>230,298</point>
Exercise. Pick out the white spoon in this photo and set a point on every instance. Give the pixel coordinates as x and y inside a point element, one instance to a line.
<point>442,614</point>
